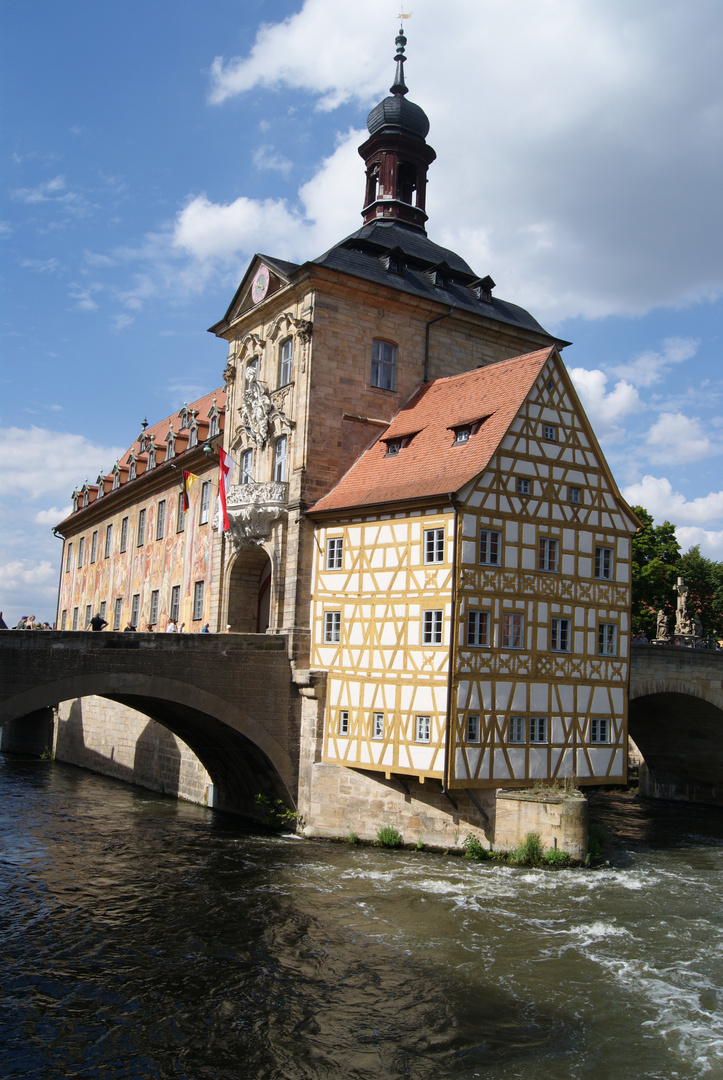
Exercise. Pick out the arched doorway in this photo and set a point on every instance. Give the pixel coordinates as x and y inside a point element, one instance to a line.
<point>249,592</point>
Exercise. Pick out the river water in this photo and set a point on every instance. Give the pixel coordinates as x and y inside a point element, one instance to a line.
<point>145,938</point>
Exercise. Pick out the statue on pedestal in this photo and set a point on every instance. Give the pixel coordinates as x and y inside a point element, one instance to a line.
<point>662,627</point>
<point>682,619</point>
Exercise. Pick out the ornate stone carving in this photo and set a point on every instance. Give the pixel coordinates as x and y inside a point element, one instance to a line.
<point>229,373</point>
<point>682,619</point>
<point>258,411</point>
<point>304,328</point>
<point>253,509</point>
<point>662,629</point>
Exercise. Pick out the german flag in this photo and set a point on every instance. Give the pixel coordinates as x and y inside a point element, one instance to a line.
<point>188,479</point>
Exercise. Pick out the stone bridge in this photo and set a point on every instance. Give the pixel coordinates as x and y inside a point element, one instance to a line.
<point>676,720</point>
<point>236,701</point>
<point>230,698</point>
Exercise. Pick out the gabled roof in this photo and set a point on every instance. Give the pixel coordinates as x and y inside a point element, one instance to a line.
<point>432,463</point>
<point>283,271</point>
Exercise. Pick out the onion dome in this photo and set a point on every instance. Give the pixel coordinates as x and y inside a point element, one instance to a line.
<point>395,114</point>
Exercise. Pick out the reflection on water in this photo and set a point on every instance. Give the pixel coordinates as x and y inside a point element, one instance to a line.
<point>148,938</point>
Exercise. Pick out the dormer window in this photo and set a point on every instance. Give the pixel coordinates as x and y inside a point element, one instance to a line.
<point>116,470</point>
<point>213,415</point>
<point>131,462</point>
<point>143,438</point>
<point>151,452</point>
<point>464,432</point>
<point>85,493</point>
<point>101,486</point>
<point>170,444</point>
<point>185,416</point>
<point>193,431</point>
<point>397,443</point>
<point>482,288</point>
<point>75,497</point>
<point>393,261</point>
<point>440,276</point>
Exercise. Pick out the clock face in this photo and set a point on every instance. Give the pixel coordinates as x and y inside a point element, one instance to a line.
<point>260,285</point>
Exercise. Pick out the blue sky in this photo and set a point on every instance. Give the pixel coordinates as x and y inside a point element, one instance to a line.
<point>150,149</point>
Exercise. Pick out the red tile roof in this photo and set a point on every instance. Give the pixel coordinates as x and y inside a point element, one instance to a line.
<point>432,464</point>
<point>200,407</point>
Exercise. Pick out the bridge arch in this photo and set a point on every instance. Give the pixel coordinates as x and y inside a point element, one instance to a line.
<point>229,701</point>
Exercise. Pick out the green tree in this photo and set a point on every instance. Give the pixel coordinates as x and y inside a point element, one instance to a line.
<point>657,564</point>
<point>704,579</point>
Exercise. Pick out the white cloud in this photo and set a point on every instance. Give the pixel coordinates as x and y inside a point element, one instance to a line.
<point>43,266</point>
<point>25,572</point>
<point>650,366</point>
<point>709,541</point>
<point>35,462</point>
<point>44,192</point>
<point>585,176</point>
<point>656,494</point>
<point>52,515</point>
<point>605,409</point>
<point>677,439</point>
<point>119,322</point>
<point>266,159</point>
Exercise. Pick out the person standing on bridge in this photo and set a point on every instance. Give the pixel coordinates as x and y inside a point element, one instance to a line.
<point>96,623</point>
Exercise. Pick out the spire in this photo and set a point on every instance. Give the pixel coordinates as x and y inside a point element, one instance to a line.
<point>399,86</point>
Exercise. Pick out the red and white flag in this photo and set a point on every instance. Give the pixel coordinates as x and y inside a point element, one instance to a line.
<point>224,463</point>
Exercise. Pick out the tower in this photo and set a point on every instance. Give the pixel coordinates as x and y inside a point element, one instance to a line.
<point>396,155</point>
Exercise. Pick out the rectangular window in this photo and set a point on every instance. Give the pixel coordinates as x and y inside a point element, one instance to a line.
<point>538,729</point>
<point>473,727</point>
<point>378,726</point>
<point>332,627</point>
<point>433,545</point>
<point>432,628</point>
<point>603,563</point>
<point>124,534</point>
<point>140,539</point>
<point>462,435</point>
<point>247,466</point>
<point>607,639</point>
<point>117,608</point>
<point>523,485</point>
<point>205,502</point>
<point>198,600</point>
<point>175,602</point>
<point>489,547</point>
<point>516,732</point>
<point>573,494</point>
<point>478,628</point>
<point>547,555</point>
<point>153,617</point>
<point>334,552</point>
<point>599,731</point>
<point>135,609</point>
<point>550,432</point>
<point>512,630</point>
<point>560,635</point>
<point>161,520</point>
<point>88,614</point>
<point>75,618</point>
<point>384,361</point>
<point>108,541</point>
<point>81,551</point>
<point>423,728</point>
<point>280,460</point>
<point>102,610</point>
<point>68,557</point>
<point>285,354</point>
<point>180,516</point>
<point>94,547</point>
<point>64,620</point>
<point>343,722</point>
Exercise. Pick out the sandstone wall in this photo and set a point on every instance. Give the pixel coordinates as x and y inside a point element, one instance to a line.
<point>114,740</point>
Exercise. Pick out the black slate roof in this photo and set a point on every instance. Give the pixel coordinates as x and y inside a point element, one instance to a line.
<point>362,255</point>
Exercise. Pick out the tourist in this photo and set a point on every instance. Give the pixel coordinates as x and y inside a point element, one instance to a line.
<point>181,628</point>
<point>228,628</point>
<point>20,625</point>
<point>171,627</point>
<point>130,629</point>
<point>96,624</point>
<point>205,629</point>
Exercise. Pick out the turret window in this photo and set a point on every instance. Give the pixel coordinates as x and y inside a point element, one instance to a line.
<point>384,362</point>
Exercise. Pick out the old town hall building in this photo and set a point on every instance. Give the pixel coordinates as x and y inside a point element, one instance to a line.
<point>417,501</point>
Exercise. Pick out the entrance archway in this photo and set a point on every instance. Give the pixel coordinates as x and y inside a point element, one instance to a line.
<point>249,592</point>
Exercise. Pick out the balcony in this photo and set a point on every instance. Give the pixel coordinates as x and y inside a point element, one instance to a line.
<point>253,509</point>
